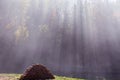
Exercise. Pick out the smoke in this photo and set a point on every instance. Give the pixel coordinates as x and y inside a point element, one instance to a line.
<point>77,38</point>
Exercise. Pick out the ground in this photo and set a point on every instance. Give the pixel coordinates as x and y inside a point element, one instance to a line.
<point>16,76</point>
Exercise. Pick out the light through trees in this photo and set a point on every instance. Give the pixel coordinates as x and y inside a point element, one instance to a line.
<point>79,38</point>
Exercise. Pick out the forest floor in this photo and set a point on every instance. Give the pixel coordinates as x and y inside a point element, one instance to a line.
<point>16,77</point>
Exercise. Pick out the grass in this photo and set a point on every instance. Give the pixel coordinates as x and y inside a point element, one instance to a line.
<point>15,76</point>
<point>66,78</point>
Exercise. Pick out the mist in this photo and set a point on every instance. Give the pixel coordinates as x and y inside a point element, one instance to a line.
<point>77,38</point>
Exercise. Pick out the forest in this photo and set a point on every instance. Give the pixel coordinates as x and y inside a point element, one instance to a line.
<point>75,38</point>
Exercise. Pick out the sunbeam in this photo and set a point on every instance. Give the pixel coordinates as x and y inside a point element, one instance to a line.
<point>77,38</point>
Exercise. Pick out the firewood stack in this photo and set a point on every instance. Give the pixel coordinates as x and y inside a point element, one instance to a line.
<point>37,72</point>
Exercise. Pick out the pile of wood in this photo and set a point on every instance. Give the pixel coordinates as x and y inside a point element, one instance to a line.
<point>37,72</point>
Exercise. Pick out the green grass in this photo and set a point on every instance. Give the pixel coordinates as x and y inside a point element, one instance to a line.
<point>66,78</point>
<point>15,76</point>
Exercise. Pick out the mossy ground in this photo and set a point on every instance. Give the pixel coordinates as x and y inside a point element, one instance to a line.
<point>16,76</point>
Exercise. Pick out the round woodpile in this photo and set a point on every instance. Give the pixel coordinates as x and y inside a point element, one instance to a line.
<point>37,72</point>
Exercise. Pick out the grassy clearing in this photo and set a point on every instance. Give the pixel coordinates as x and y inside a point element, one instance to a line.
<point>15,76</point>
